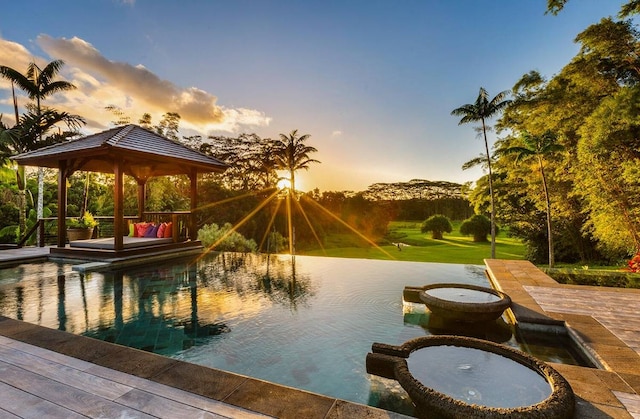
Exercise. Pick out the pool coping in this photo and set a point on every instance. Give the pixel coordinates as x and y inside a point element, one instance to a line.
<point>613,389</point>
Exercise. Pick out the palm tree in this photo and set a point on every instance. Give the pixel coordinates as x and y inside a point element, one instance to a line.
<point>292,154</point>
<point>38,84</point>
<point>480,111</point>
<point>539,146</point>
<point>26,136</point>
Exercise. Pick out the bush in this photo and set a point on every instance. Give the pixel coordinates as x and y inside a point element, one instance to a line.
<point>479,226</point>
<point>437,224</point>
<point>225,239</point>
<point>618,279</point>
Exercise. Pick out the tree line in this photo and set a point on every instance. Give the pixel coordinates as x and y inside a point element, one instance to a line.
<point>565,174</point>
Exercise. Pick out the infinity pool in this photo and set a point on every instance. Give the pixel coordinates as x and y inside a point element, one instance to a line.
<point>306,324</point>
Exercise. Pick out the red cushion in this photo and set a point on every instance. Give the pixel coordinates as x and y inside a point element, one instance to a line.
<point>161,229</point>
<point>140,229</point>
<point>168,231</point>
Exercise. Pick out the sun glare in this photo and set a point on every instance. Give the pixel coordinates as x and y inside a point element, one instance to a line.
<point>284,184</point>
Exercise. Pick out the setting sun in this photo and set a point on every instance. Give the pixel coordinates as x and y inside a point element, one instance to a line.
<point>284,183</point>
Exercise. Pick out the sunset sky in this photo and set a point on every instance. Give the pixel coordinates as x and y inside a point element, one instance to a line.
<point>372,82</point>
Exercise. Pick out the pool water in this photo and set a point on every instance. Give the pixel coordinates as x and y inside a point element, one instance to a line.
<point>470,374</point>
<point>462,295</point>
<point>308,324</point>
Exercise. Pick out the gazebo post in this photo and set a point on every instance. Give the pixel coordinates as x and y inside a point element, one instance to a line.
<point>118,207</point>
<point>142,197</point>
<point>193,176</point>
<point>62,203</point>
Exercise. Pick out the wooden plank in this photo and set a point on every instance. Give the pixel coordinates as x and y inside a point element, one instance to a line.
<point>111,384</point>
<point>78,364</point>
<point>7,415</point>
<point>20,404</point>
<point>162,407</point>
<point>64,374</point>
<point>200,402</point>
<point>176,394</point>
<point>74,399</point>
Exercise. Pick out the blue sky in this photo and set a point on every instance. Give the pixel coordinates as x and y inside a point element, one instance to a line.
<point>372,82</point>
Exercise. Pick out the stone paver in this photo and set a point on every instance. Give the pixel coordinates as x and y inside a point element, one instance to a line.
<point>605,321</point>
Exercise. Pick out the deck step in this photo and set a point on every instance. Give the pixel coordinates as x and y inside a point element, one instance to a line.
<point>90,266</point>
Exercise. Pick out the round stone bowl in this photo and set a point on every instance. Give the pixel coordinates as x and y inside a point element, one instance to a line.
<point>460,377</point>
<point>465,303</point>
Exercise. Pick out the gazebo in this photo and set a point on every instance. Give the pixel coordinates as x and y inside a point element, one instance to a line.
<point>127,150</point>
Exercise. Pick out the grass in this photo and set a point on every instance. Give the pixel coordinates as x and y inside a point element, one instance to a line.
<point>420,247</point>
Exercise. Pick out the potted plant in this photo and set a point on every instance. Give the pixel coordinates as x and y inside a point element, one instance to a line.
<point>81,228</point>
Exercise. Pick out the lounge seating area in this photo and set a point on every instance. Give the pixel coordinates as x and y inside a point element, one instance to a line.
<point>108,243</point>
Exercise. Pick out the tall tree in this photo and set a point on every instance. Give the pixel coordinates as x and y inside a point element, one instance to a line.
<point>292,154</point>
<point>539,147</point>
<point>26,136</point>
<point>38,84</point>
<point>480,111</point>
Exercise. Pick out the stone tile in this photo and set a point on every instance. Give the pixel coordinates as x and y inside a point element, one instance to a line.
<point>613,381</point>
<point>345,410</point>
<point>279,401</point>
<point>587,410</point>
<point>630,401</point>
<point>208,382</point>
<point>80,347</point>
<point>632,379</point>
<point>136,362</point>
<point>11,328</point>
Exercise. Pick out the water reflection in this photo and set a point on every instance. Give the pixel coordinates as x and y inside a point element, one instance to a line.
<point>306,322</point>
<point>272,275</point>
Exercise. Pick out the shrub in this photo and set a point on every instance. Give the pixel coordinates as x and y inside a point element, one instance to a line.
<point>618,279</point>
<point>225,239</point>
<point>437,224</point>
<point>86,221</point>
<point>479,226</point>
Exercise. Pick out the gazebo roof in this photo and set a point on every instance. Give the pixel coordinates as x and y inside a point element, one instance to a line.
<point>144,154</point>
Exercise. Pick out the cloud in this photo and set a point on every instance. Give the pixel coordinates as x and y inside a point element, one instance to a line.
<point>336,133</point>
<point>135,89</point>
<point>15,56</point>
<point>194,105</point>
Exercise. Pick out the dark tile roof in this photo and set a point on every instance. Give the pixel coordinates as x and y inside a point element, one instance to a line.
<point>136,146</point>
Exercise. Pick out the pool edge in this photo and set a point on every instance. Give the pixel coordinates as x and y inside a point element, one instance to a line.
<point>234,389</point>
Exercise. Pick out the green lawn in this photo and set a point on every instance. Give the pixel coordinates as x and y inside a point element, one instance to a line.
<point>417,246</point>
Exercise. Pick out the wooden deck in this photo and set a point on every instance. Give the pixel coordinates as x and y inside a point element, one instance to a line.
<point>16,256</point>
<point>38,383</point>
<point>110,258</point>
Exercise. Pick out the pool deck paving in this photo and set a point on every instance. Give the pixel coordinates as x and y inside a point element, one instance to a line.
<point>605,321</point>
<point>50,373</point>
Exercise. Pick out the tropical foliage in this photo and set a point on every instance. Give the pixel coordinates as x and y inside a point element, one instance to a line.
<point>480,111</point>
<point>477,226</point>
<point>39,84</point>
<point>292,154</point>
<point>538,147</point>
<point>86,221</point>
<point>225,239</point>
<point>592,198</point>
<point>437,225</point>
